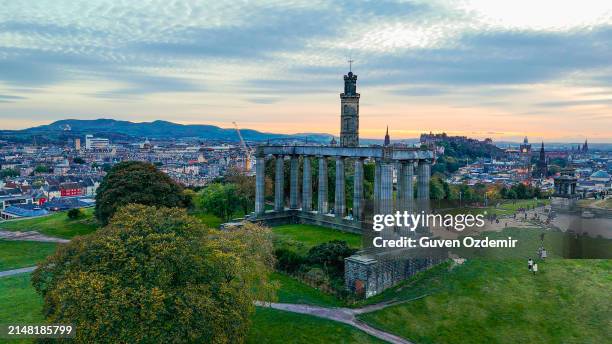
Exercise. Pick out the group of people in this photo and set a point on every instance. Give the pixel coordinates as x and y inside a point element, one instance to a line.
<point>533,266</point>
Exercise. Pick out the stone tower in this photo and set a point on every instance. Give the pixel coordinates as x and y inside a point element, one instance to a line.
<point>541,166</point>
<point>349,112</point>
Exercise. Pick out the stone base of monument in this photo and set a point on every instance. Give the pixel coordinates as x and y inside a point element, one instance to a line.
<point>368,273</point>
<point>296,216</point>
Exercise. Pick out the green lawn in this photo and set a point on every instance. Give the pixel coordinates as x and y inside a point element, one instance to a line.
<point>499,301</point>
<point>508,207</point>
<point>274,326</point>
<point>558,244</point>
<point>19,302</point>
<point>57,224</point>
<point>209,220</point>
<point>19,254</point>
<point>293,291</point>
<point>596,203</point>
<point>302,237</point>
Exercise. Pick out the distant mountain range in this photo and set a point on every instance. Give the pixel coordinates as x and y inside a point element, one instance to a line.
<point>63,130</point>
<point>115,129</point>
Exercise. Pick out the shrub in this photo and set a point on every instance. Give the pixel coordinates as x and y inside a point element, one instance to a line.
<point>288,260</point>
<point>330,256</point>
<point>74,213</point>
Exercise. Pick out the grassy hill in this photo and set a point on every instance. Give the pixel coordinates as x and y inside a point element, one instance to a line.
<point>489,299</point>
<point>56,224</point>
<point>302,237</point>
<point>19,254</point>
<point>497,301</point>
<point>19,303</point>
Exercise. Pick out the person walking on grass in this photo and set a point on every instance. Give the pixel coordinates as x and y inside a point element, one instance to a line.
<point>530,264</point>
<point>535,268</point>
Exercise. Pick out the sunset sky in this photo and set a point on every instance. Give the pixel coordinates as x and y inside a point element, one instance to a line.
<point>500,69</point>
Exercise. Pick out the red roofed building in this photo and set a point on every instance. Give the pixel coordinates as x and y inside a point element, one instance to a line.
<point>70,189</point>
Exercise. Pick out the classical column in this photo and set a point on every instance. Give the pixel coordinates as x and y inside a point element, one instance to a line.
<point>293,182</point>
<point>306,185</point>
<point>406,189</point>
<point>376,200</point>
<point>340,200</point>
<point>322,195</point>
<point>400,187</point>
<point>424,173</point>
<point>279,184</point>
<point>386,188</point>
<point>260,185</point>
<point>358,190</point>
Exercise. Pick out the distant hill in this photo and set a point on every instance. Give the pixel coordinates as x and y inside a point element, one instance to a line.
<point>116,129</point>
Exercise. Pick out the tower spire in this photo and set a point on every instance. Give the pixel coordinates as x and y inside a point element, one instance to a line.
<point>387,138</point>
<point>350,61</point>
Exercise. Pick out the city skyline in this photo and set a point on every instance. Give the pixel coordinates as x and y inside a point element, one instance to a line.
<point>474,68</point>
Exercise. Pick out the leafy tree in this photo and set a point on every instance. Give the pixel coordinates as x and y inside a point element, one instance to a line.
<point>436,189</point>
<point>219,199</point>
<point>553,169</point>
<point>157,275</point>
<point>42,169</point>
<point>136,182</point>
<point>9,172</point>
<point>245,190</point>
<point>74,213</point>
<point>561,162</point>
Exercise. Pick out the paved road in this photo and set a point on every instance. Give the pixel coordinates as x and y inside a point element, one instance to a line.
<point>343,315</point>
<point>16,271</point>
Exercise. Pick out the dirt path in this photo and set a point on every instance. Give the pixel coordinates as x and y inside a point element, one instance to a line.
<point>16,271</point>
<point>343,315</point>
<point>29,236</point>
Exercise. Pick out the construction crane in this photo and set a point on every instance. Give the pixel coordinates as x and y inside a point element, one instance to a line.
<point>248,151</point>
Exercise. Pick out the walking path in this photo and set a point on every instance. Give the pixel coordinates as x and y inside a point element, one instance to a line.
<point>29,236</point>
<point>16,271</point>
<point>340,314</point>
<point>26,236</point>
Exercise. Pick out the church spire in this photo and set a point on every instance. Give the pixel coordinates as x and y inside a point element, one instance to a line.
<point>387,138</point>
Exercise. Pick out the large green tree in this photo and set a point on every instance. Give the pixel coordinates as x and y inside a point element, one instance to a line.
<point>219,199</point>
<point>245,189</point>
<point>136,182</point>
<point>156,275</point>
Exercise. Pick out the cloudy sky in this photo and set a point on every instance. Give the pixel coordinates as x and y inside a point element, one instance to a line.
<point>482,68</point>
